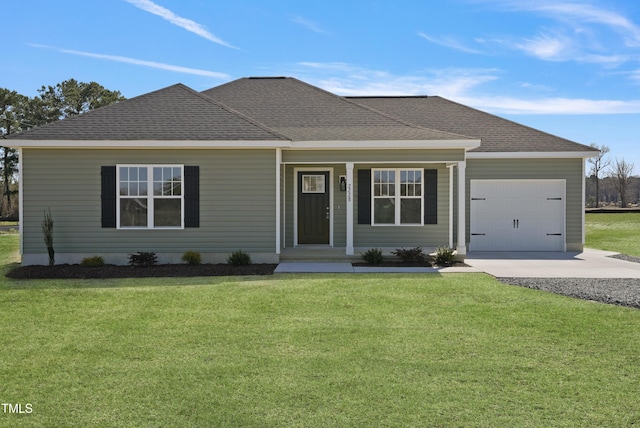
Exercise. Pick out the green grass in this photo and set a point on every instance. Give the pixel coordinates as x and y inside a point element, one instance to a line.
<point>614,232</point>
<point>312,350</point>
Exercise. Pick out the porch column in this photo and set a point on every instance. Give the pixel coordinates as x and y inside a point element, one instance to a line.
<point>450,168</point>
<point>462,209</point>
<point>350,250</point>
<point>278,199</point>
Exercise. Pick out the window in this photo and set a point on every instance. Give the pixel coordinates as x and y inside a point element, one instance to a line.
<point>313,184</point>
<point>397,197</point>
<point>150,196</point>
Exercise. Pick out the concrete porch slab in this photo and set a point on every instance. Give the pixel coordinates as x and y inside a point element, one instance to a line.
<point>311,267</point>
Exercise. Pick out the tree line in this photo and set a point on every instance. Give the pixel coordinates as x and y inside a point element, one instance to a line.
<point>611,182</point>
<point>19,113</point>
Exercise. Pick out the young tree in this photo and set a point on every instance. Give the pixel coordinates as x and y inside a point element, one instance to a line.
<point>620,175</point>
<point>599,163</point>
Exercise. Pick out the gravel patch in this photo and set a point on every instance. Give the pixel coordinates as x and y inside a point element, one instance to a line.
<point>622,292</point>
<point>626,258</point>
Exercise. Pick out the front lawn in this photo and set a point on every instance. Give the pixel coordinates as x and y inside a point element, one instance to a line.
<point>312,350</point>
<point>614,232</point>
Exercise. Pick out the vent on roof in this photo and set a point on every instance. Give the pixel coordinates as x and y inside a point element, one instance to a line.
<point>267,77</point>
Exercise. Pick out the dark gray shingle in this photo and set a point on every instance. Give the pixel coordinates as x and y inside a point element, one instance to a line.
<point>497,134</point>
<point>305,112</point>
<point>175,113</point>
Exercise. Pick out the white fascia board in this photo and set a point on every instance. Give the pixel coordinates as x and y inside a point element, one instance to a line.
<point>235,144</point>
<point>386,144</point>
<point>530,155</point>
<point>146,144</point>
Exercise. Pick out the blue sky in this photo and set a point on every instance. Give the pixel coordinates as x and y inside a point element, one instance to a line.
<point>571,68</point>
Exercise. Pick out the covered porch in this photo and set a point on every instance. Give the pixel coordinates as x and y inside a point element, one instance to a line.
<point>333,209</point>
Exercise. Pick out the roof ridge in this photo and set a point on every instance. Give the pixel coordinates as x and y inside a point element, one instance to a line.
<point>406,122</point>
<point>237,113</point>
<point>373,110</point>
<point>102,108</point>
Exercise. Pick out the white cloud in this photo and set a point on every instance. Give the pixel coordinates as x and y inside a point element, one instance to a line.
<point>127,60</point>
<point>347,79</point>
<point>450,42</point>
<point>591,14</point>
<point>187,24</point>
<point>546,47</point>
<point>308,24</point>
<point>574,106</point>
<point>576,12</point>
<point>457,84</point>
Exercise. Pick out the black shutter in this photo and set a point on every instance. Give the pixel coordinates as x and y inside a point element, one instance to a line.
<point>430,196</point>
<point>108,196</point>
<point>364,196</point>
<point>191,196</point>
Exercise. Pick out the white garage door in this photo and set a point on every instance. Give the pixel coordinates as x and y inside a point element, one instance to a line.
<point>517,215</point>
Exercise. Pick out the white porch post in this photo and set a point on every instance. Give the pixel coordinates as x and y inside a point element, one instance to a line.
<point>278,198</point>
<point>350,249</point>
<point>450,167</point>
<point>462,209</point>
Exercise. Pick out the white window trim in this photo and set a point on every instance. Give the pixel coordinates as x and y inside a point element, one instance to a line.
<point>397,197</point>
<point>150,197</point>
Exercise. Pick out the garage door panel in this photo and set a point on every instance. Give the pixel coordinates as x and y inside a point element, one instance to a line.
<point>517,215</point>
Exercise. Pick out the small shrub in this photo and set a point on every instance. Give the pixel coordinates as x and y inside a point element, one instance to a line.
<point>444,255</point>
<point>410,254</point>
<point>95,261</point>
<point>239,258</point>
<point>373,256</point>
<point>192,258</point>
<point>143,259</point>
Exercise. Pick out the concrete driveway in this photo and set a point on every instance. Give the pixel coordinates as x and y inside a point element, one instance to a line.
<point>587,264</point>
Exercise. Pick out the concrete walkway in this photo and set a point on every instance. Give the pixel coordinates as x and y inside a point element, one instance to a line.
<point>588,264</point>
<point>334,267</point>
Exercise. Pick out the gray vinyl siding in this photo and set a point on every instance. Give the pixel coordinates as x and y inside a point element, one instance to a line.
<point>428,236</point>
<point>237,201</point>
<point>570,170</point>
<point>371,156</point>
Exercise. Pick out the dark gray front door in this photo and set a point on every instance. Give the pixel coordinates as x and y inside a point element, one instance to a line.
<point>314,210</point>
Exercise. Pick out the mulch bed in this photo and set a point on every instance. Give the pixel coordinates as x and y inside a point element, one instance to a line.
<point>113,271</point>
<point>170,270</point>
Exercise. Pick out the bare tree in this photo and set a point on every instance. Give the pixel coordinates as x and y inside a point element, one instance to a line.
<point>599,163</point>
<point>620,175</point>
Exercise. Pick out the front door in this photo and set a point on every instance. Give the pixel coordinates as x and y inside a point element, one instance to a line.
<point>314,210</point>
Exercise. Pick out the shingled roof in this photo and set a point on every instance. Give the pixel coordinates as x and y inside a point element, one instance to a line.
<point>287,109</point>
<point>308,113</point>
<point>175,113</point>
<point>497,134</point>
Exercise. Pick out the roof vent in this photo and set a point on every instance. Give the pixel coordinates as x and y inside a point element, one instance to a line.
<point>267,77</point>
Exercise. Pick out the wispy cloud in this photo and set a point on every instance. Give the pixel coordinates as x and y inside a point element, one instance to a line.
<point>588,14</point>
<point>462,85</point>
<point>546,46</point>
<point>551,105</point>
<point>187,24</point>
<point>582,32</point>
<point>308,24</point>
<point>134,61</point>
<point>347,79</point>
<point>450,42</point>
